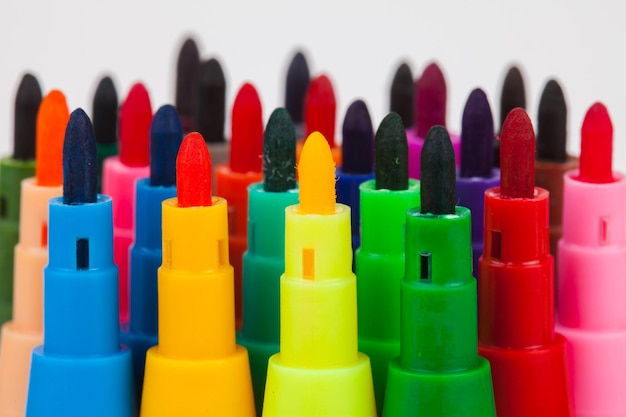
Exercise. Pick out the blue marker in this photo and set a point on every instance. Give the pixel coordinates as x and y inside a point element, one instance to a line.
<point>140,334</point>
<point>80,370</point>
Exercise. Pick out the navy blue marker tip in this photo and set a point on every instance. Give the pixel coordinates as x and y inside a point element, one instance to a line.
<point>80,175</point>
<point>166,135</point>
<point>358,140</point>
<point>298,78</point>
<point>477,137</point>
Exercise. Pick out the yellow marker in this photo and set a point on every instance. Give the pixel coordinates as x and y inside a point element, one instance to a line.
<point>319,371</point>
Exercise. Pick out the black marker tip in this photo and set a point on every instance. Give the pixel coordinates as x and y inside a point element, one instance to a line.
<point>186,73</point>
<point>438,173</point>
<point>358,140</point>
<point>279,153</point>
<point>392,154</point>
<point>513,93</point>
<point>477,136</point>
<point>297,82</point>
<point>80,174</point>
<point>210,103</point>
<point>105,112</point>
<point>166,135</point>
<point>27,102</point>
<point>401,98</point>
<point>552,124</point>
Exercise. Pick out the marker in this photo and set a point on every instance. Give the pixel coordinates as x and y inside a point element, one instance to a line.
<point>105,109</point>
<point>141,332</point>
<point>210,110</point>
<point>264,261</point>
<point>119,174</point>
<point>515,291</point>
<point>592,259</point>
<point>401,99</point>
<point>430,110</point>
<point>186,81</point>
<point>357,148</point>
<point>244,169</point>
<point>476,174</point>
<point>296,85</point>
<point>13,169</point>
<point>552,159</point>
<point>80,369</point>
<point>24,332</point>
<point>197,369</point>
<point>513,95</point>
<point>438,372</point>
<point>379,262</point>
<point>320,113</point>
<point>319,370</point>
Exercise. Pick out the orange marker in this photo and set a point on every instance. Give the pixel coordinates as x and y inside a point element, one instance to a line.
<point>24,332</point>
<point>197,369</point>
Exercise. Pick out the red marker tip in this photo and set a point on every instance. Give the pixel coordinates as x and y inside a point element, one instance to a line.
<point>517,156</point>
<point>193,172</point>
<point>134,127</point>
<point>320,109</point>
<point>246,148</point>
<point>596,146</point>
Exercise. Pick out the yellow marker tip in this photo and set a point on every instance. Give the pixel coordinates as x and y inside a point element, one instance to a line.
<point>316,172</point>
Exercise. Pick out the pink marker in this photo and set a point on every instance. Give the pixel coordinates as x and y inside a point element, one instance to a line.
<point>119,174</point>
<point>591,311</point>
<point>430,110</point>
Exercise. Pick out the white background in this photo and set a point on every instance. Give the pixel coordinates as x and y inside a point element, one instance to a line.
<point>70,44</point>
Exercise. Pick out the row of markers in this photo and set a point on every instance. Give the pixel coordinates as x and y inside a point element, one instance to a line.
<point>420,309</point>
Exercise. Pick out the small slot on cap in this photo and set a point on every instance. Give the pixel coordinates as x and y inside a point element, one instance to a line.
<point>44,235</point>
<point>82,253</point>
<point>604,230</point>
<point>496,244</point>
<point>425,266</point>
<point>308,263</point>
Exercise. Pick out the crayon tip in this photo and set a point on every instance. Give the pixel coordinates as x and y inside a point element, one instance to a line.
<point>358,140</point>
<point>51,123</point>
<point>105,111</point>
<point>477,136</point>
<point>246,149</point>
<point>186,72</point>
<point>320,109</point>
<point>392,154</point>
<point>166,135</point>
<point>401,97</point>
<point>279,153</point>
<point>438,173</point>
<point>80,175</point>
<point>316,171</point>
<point>596,146</point>
<point>552,124</point>
<point>430,100</point>
<point>134,124</point>
<point>27,102</point>
<point>517,156</point>
<point>210,102</point>
<point>193,172</point>
<point>297,82</point>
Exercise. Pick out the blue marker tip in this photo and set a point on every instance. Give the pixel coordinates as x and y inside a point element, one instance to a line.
<point>358,140</point>
<point>166,135</point>
<point>80,175</point>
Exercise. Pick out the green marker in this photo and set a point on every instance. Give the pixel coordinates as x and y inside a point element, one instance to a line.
<point>13,170</point>
<point>439,372</point>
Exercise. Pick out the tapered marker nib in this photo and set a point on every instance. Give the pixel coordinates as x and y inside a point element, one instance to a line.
<point>27,102</point>
<point>517,156</point>
<point>210,102</point>
<point>438,173</point>
<point>193,172</point>
<point>279,153</point>
<point>477,137</point>
<point>513,93</point>
<point>392,154</point>
<point>297,82</point>
<point>246,149</point>
<point>135,119</point>
<point>358,140</point>
<point>51,123</point>
<point>401,100</point>
<point>430,100</point>
<point>596,146</point>
<point>320,109</point>
<point>186,73</point>
<point>552,124</point>
<point>105,111</point>
<point>80,174</point>
<point>316,171</point>
<point>166,135</point>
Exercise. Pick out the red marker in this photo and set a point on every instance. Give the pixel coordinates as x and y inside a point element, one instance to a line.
<point>233,178</point>
<point>119,174</point>
<point>516,287</point>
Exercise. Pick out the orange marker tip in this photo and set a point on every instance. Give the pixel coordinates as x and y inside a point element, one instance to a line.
<point>52,120</point>
<point>193,172</point>
<point>316,171</point>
